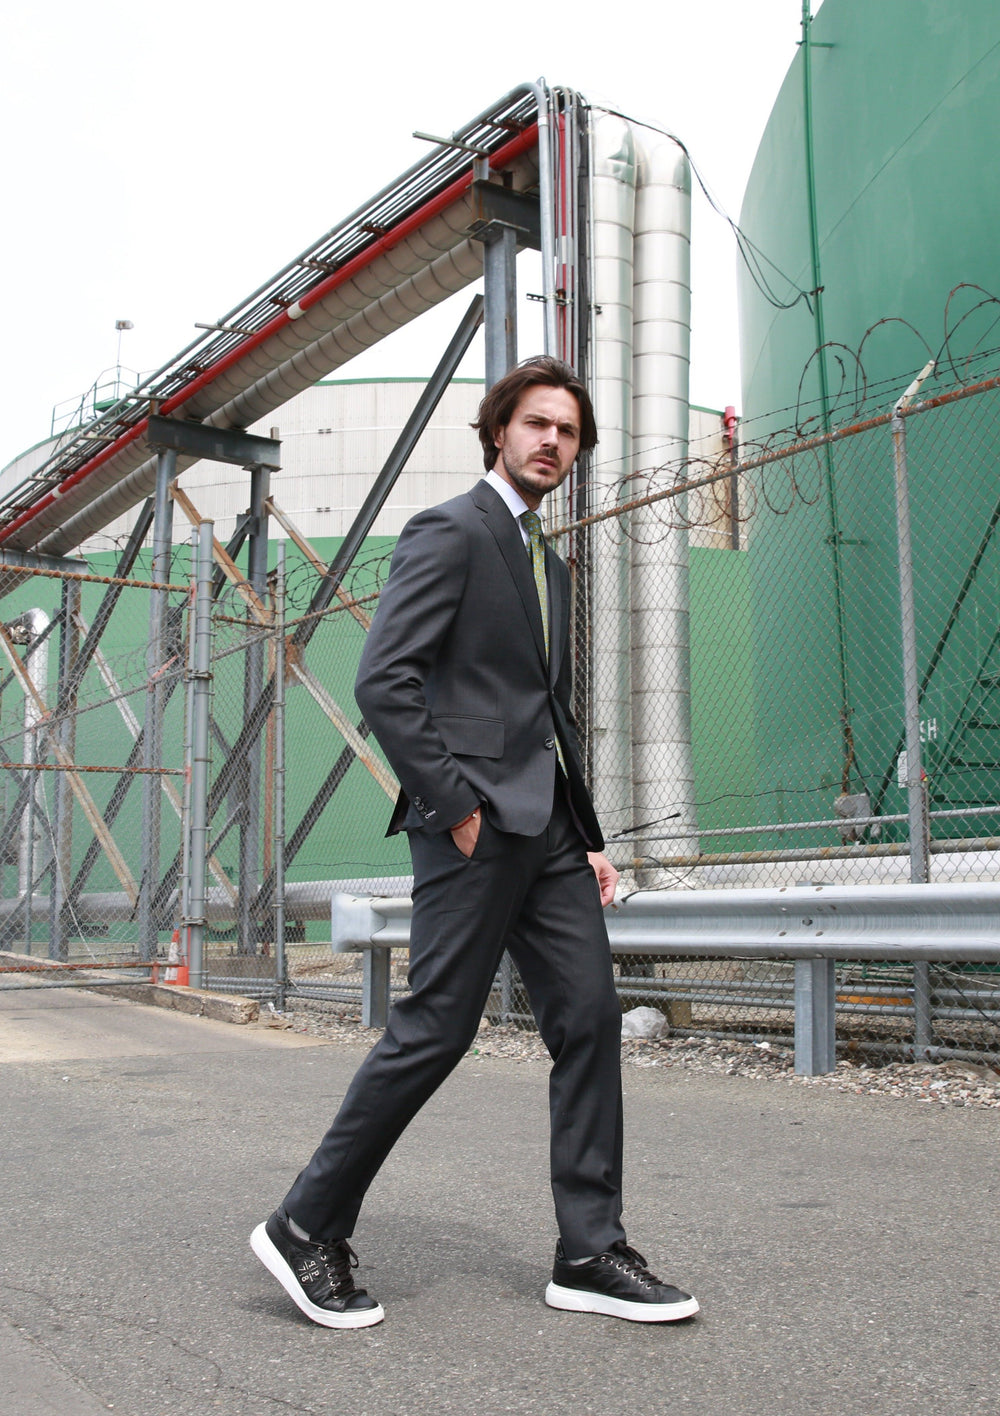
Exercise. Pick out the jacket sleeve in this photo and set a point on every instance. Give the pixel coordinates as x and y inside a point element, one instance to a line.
<point>416,608</point>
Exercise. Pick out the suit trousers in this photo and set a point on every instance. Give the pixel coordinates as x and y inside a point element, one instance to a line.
<point>538,897</point>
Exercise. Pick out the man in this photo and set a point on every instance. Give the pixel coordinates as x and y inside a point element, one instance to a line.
<point>465,680</point>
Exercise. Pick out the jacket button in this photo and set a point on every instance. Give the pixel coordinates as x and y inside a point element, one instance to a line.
<point>550,743</point>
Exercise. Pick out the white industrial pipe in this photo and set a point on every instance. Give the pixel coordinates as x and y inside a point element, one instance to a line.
<point>451,272</point>
<point>432,262</point>
<point>640,675</point>
<point>662,766</point>
<point>612,220</point>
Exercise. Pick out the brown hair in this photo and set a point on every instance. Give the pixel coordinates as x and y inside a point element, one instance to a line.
<point>497,408</point>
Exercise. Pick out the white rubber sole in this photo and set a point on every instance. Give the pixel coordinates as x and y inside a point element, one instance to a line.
<point>276,1265</point>
<point>575,1300</point>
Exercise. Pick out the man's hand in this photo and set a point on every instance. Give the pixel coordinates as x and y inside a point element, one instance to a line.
<point>466,833</point>
<point>607,875</point>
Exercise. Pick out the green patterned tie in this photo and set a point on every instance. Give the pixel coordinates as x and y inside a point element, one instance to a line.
<point>532,523</point>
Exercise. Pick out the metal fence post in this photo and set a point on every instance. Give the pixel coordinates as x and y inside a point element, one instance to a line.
<point>28,842</point>
<point>62,796</point>
<point>249,847</point>
<point>166,469</point>
<point>280,962</point>
<point>189,677</point>
<point>194,924</point>
<point>36,661</point>
<point>916,784</point>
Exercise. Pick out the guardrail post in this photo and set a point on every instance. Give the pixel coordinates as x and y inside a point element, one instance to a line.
<point>375,987</point>
<point>505,977</point>
<point>815,1017</point>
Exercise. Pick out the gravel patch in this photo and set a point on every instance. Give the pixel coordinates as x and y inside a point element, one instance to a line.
<point>949,1083</point>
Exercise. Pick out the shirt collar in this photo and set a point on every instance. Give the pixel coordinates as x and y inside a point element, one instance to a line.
<point>512,499</point>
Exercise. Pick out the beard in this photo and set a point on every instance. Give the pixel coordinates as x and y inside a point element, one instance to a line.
<point>536,484</point>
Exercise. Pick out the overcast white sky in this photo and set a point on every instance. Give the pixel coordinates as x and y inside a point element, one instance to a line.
<point>161,161</point>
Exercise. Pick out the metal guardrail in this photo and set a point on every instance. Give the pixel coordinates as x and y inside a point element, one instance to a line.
<point>814,926</point>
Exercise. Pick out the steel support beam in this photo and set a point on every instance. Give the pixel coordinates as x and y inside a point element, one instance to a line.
<point>498,229</point>
<point>14,564</point>
<point>253,683</point>
<point>278,816</point>
<point>493,203</point>
<point>62,795</point>
<point>500,288</point>
<point>166,470</point>
<point>197,852</point>
<point>201,440</point>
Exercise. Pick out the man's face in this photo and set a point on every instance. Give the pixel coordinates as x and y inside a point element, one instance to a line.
<point>539,444</point>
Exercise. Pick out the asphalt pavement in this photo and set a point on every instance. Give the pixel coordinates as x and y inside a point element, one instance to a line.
<point>843,1247</point>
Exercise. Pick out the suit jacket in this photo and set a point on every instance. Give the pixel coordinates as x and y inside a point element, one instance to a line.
<point>453,678</point>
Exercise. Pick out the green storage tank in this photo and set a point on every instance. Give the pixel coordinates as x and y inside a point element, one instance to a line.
<point>905,100</point>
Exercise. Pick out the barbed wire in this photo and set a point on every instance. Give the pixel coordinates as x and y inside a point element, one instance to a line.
<point>772,473</point>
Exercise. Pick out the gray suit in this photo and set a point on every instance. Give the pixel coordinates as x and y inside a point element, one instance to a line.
<point>455,684</point>
<point>453,679</point>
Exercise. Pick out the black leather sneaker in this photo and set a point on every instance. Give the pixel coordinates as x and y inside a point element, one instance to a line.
<point>618,1284</point>
<point>316,1276</point>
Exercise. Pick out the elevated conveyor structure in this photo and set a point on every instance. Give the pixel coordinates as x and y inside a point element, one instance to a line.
<point>614,220</point>
<point>404,251</point>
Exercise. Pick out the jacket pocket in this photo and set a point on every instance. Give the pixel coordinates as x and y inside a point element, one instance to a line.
<point>471,737</point>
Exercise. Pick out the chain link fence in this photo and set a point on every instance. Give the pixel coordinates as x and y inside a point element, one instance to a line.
<point>740,697</point>
<point>80,775</point>
<point>745,719</point>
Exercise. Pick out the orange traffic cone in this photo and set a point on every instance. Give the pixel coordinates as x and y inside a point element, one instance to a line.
<point>177,966</point>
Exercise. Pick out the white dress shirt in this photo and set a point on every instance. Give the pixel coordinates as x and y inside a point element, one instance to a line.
<point>513,500</point>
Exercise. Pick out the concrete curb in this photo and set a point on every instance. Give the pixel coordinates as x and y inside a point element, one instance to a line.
<point>196,1002</point>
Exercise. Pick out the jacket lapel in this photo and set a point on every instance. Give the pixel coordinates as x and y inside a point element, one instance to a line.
<point>507,534</point>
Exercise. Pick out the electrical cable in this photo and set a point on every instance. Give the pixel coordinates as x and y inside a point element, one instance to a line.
<point>751,254</point>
